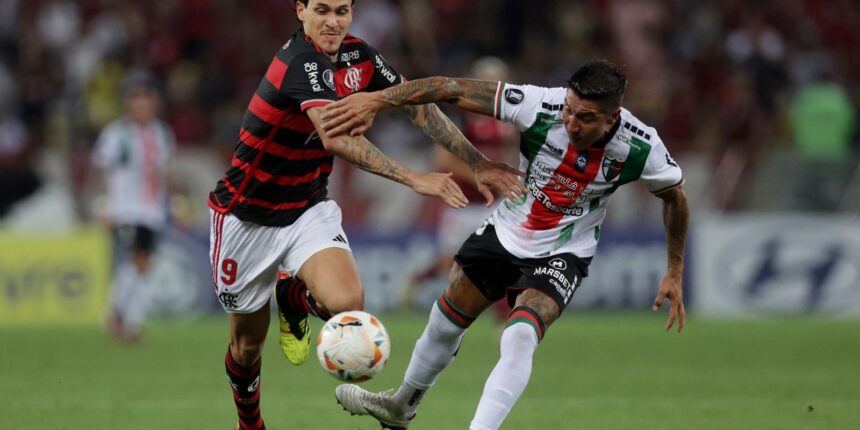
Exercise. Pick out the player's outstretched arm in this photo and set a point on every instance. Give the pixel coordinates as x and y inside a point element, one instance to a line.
<point>676,218</point>
<point>488,174</point>
<point>356,112</point>
<point>360,152</point>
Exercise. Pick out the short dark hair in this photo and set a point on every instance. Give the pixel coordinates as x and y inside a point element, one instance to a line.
<point>599,81</point>
<point>305,2</point>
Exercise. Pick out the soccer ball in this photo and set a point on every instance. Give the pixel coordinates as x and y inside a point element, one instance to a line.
<point>353,346</point>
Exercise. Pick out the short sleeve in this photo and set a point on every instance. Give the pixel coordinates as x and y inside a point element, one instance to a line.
<point>661,172</point>
<point>310,81</point>
<point>384,75</point>
<point>519,104</point>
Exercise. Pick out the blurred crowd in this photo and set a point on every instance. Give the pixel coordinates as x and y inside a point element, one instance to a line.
<point>757,100</point>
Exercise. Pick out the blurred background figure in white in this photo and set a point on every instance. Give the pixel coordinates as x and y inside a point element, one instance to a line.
<point>131,157</point>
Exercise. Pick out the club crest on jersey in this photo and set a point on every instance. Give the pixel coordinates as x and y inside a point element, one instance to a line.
<point>328,78</point>
<point>352,79</point>
<point>514,96</point>
<point>611,168</point>
<point>581,162</point>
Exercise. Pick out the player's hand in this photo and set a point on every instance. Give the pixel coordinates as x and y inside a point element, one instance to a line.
<point>353,114</point>
<point>670,288</point>
<point>441,185</point>
<point>494,175</point>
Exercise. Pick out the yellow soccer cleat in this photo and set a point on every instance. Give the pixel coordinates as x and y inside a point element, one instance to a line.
<point>295,335</point>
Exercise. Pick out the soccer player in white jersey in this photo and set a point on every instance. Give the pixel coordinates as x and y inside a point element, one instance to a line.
<point>578,146</point>
<point>132,156</point>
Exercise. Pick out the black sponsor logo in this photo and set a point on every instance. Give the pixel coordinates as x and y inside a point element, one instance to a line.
<point>228,300</point>
<point>339,238</point>
<point>514,96</point>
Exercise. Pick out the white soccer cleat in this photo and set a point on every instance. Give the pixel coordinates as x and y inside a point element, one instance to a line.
<point>358,401</point>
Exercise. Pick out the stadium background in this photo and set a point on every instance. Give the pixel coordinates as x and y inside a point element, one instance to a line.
<point>757,101</point>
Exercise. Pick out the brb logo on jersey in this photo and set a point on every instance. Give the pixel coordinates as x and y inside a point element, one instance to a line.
<point>352,79</point>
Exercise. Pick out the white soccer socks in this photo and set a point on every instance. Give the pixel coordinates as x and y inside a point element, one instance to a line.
<point>433,352</point>
<point>511,374</point>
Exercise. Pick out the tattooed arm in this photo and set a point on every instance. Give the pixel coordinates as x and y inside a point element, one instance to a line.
<point>676,218</point>
<point>436,125</point>
<point>357,111</point>
<point>360,152</point>
<point>355,114</point>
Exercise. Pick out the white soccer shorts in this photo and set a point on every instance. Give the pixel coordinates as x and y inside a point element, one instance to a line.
<point>247,257</point>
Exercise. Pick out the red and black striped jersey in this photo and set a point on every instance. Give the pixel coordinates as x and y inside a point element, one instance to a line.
<point>280,167</point>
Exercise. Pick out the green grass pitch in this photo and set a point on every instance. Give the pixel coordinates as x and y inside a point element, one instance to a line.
<point>593,371</point>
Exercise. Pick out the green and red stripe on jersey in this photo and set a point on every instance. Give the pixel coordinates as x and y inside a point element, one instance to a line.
<point>542,218</point>
<point>522,314</point>
<point>455,315</point>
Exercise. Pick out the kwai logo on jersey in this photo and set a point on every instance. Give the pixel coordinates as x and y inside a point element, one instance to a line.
<point>514,96</point>
<point>312,69</point>
<point>611,168</point>
<point>352,80</point>
<point>387,74</point>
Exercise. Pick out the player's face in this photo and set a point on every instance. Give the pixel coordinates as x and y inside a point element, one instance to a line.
<point>326,22</point>
<point>142,105</point>
<point>585,121</point>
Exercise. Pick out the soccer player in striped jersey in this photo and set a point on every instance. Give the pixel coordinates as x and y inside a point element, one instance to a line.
<point>578,146</point>
<point>270,213</point>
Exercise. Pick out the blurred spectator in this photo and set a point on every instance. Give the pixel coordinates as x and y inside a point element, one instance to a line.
<point>18,180</point>
<point>823,123</point>
<point>718,76</point>
<point>132,153</point>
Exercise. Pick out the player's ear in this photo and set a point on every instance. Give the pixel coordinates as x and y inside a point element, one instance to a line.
<point>616,114</point>
<point>300,11</point>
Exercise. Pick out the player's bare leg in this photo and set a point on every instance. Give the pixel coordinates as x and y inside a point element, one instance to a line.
<point>533,312</point>
<point>247,336</point>
<point>327,283</point>
<point>450,316</point>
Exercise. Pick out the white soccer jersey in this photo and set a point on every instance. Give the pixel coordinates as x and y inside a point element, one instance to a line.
<point>134,160</point>
<point>569,189</point>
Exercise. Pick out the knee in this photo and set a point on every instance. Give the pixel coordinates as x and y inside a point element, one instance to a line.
<point>246,351</point>
<point>346,301</point>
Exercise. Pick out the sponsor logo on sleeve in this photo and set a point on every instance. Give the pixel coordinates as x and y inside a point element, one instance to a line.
<point>383,70</point>
<point>312,69</point>
<point>514,96</point>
